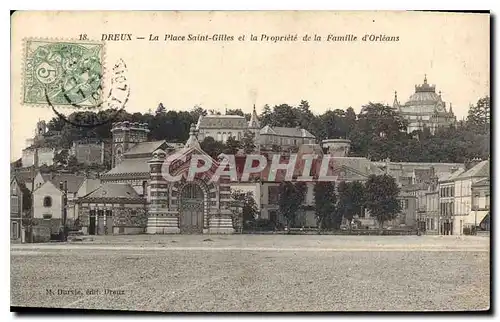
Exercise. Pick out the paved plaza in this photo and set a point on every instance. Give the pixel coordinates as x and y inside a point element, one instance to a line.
<point>254,273</point>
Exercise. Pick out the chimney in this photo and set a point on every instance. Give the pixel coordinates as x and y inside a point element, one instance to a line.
<point>469,164</point>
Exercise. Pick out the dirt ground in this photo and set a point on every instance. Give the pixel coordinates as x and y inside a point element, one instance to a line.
<point>238,273</point>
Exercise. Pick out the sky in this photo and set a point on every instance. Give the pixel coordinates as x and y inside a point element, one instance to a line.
<point>452,49</point>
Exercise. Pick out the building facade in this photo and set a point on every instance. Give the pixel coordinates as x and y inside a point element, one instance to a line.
<point>465,216</point>
<point>481,203</point>
<point>221,127</point>
<point>125,135</point>
<point>284,137</point>
<point>89,152</point>
<point>20,205</point>
<point>425,108</point>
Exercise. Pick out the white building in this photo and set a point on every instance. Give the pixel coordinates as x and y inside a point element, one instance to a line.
<point>48,196</point>
<point>221,127</point>
<point>464,215</point>
<point>425,108</point>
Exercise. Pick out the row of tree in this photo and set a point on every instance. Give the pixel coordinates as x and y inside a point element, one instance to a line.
<point>377,132</point>
<point>332,205</point>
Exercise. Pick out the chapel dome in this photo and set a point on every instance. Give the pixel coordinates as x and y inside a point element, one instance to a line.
<point>425,100</point>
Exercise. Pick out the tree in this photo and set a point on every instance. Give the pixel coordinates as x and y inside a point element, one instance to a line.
<point>266,115</point>
<point>378,128</point>
<point>246,201</point>
<point>211,147</point>
<point>291,197</point>
<point>276,148</point>
<point>283,115</point>
<point>247,142</point>
<point>351,199</point>
<point>478,118</point>
<point>232,146</point>
<point>235,112</point>
<point>304,115</point>
<point>325,200</point>
<point>213,112</point>
<point>197,111</point>
<point>61,158</point>
<point>382,198</point>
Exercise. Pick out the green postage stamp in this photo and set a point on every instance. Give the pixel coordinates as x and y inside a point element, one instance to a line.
<point>62,73</point>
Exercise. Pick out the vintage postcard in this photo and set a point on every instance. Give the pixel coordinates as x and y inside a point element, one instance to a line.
<point>250,161</point>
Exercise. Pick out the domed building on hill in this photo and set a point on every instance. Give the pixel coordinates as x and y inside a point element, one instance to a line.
<point>425,108</point>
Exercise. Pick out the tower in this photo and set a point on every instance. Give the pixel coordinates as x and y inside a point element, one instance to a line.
<point>337,147</point>
<point>159,220</point>
<point>125,135</point>
<point>41,128</point>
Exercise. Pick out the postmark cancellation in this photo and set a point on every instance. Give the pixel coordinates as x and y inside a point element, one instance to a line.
<point>62,73</point>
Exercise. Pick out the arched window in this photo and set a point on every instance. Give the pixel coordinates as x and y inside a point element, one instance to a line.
<point>47,201</point>
<point>219,136</point>
<point>192,191</point>
<point>224,137</point>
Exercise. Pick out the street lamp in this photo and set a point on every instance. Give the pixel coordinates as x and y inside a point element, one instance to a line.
<point>475,205</point>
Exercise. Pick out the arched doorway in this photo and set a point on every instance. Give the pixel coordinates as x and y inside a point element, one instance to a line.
<point>191,209</point>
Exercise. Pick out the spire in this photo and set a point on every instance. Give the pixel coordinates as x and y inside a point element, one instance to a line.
<point>193,140</point>
<point>425,78</point>
<point>395,104</point>
<point>254,120</point>
<point>451,109</point>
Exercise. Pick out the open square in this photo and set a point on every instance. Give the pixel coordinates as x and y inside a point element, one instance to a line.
<point>238,273</point>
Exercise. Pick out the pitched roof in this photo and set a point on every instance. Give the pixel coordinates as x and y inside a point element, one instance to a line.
<point>144,148</point>
<point>286,131</point>
<point>89,185</point>
<point>423,175</point>
<point>360,164</point>
<point>452,176</point>
<point>482,182</point>
<point>482,169</point>
<point>24,176</point>
<point>222,122</point>
<point>74,181</point>
<point>415,187</point>
<point>130,166</point>
<point>254,120</point>
<point>114,190</point>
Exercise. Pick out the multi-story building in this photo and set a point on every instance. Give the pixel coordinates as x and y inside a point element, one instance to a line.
<point>425,108</point>
<point>447,202</point>
<point>125,135</point>
<point>432,208</point>
<point>222,127</point>
<point>34,154</point>
<point>481,203</point>
<point>20,205</point>
<point>407,173</point>
<point>464,215</point>
<point>284,137</point>
<point>408,216</point>
<point>89,152</point>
